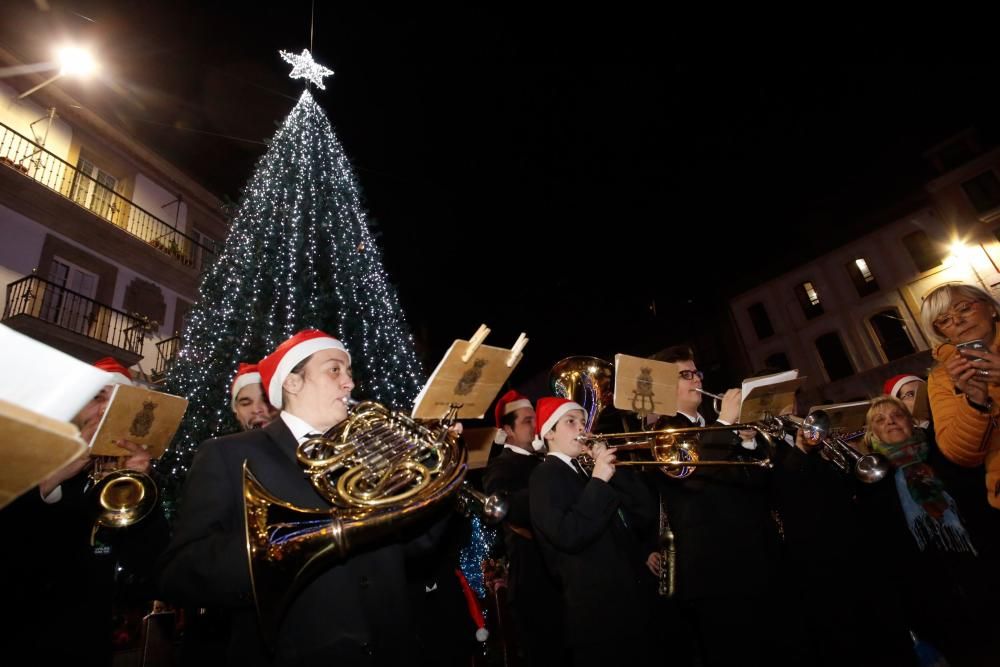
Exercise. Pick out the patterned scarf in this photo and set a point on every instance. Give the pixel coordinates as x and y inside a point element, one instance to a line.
<point>931,514</point>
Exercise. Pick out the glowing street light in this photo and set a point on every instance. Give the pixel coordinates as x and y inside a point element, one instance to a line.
<point>73,61</point>
<point>960,252</point>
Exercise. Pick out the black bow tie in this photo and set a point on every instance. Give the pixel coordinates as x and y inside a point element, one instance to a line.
<point>579,469</point>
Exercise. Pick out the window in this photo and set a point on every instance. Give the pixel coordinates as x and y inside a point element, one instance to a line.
<point>69,307</point>
<point>761,322</point>
<point>95,189</point>
<point>809,300</point>
<point>205,252</point>
<point>983,191</point>
<point>864,280</point>
<point>834,357</point>
<point>778,361</point>
<point>923,252</point>
<point>893,337</point>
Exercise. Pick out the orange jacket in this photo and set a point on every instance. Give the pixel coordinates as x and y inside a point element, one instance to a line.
<point>965,435</point>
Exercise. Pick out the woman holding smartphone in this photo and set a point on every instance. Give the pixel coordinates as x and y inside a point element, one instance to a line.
<point>964,388</point>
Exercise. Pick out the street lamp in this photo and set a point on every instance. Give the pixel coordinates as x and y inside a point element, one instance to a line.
<point>73,61</point>
<point>965,254</point>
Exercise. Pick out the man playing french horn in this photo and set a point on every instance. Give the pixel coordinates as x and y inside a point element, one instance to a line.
<point>356,612</point>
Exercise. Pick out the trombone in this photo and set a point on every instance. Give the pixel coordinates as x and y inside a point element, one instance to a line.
<point>674,454</point>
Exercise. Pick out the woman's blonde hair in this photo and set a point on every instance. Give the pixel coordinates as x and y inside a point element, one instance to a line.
<point>940,300</point>
<point>877,406</point>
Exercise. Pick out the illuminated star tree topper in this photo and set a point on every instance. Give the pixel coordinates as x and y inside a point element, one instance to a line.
<point>304,67</point>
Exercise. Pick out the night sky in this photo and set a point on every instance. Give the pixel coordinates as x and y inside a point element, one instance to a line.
<point>487,142</point>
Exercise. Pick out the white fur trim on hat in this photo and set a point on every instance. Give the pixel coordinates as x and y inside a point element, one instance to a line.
<point>118,378</point>
<point>243,381</point>
<point>293,357</point>
<point>500,437</point>
<point>901,381</point>
<point>550,423</point>
<point>516,405</point>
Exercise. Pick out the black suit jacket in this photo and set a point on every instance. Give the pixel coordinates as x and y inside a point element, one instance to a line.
<point>725,535</point>
<point>356,612</point>
<point>596,558</point>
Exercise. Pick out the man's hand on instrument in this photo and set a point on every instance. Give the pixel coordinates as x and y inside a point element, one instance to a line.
<point>653,562</point>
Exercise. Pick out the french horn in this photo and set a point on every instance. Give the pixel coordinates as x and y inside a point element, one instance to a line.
<point>381,472</point>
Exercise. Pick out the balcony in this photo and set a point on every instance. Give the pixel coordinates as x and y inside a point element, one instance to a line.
<point>24,156</point>
<point>166,355</point>
<point>72,322</point>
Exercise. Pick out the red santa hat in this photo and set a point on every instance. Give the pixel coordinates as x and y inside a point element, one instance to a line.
<point>894,384</point>
<point>275,367</point>
<point>119,374</point>
<point>507,404</point>
<point>549,410</point>
<point>246,375</point>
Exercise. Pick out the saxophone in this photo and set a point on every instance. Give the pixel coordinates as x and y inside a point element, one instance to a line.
<point>668,556</point>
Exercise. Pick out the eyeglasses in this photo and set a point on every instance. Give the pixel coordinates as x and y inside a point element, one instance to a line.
<point>690,375</point>
<point>962,309</point>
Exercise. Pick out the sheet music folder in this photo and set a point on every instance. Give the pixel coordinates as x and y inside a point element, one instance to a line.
<point>33,447</point>
<point>141,415</point>
<point>845,418</point>
<point>768,395</point>
<point>645,386</point>
<point>470,374</point>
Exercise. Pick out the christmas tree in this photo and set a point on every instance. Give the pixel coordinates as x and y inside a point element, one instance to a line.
<point>299,254</point>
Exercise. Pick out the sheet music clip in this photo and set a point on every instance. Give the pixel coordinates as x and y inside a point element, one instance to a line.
<point>468,378</point>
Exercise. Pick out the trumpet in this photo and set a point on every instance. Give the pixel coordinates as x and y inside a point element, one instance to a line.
<point>868,468</point>
<point>672,452</point>
<point>716,399</point>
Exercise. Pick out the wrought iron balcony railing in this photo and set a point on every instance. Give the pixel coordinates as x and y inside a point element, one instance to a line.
<point>44,300</point>
<point>166,355</point>
<point>23,155</point>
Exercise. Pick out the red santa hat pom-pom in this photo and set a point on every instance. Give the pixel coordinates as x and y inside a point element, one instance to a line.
<point>482,634</point>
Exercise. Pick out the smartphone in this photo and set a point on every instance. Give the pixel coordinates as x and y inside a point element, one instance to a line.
<point>972,346</point>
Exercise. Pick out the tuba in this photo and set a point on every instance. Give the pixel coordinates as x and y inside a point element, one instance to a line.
<point>587,380</point>
<point>381,472</point>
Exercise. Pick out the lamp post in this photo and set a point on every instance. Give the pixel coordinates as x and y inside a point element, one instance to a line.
<point>964,253</point>
<point>73,61</point>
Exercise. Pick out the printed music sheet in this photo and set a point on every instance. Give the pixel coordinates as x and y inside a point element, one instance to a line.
<point>644,386</point>
<point>845,418</point>
<point>42,379</point>
<point>474,383</point>
<point>144,416</point>
<point>769,395</point>
<point>33,447</point>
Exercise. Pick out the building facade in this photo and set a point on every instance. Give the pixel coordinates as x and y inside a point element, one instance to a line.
<point>850,319</point>
<point>103,241</point>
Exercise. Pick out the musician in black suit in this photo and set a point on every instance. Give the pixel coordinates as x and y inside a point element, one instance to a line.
<point>726,536</point>
<point>55,571</point>
<point>354,613</point>
<point>531,591</point>
<point>587,527</point>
